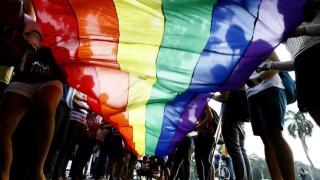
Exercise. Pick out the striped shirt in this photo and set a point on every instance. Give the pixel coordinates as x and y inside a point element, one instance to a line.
<point>68,94</point>
<point>79,115</point>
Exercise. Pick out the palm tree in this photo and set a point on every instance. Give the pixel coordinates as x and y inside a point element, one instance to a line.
<point>300,127</point>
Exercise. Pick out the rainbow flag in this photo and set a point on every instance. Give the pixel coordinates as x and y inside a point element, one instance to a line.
<point>149,66</point>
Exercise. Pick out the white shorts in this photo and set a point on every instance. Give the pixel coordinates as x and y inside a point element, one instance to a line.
<point>28,90</point>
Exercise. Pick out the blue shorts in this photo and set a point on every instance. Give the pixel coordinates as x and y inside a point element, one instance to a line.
<point>267,110</point>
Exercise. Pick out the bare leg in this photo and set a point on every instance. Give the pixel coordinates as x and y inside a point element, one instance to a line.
<point>283,154</point>
<point>271,159</point>
<point>46,103</point>
<point>285,159</point>
<point>12,110</point>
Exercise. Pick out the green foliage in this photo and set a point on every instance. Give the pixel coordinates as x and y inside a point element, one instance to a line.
<point>260,169</point>
<point>299,125</point>
<point>315,172</point>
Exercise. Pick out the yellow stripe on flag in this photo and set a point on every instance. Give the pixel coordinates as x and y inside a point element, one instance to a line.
<point>141,26</point>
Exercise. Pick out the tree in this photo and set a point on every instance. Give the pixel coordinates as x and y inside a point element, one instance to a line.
<point>300,127</point>
<point>259,167</point>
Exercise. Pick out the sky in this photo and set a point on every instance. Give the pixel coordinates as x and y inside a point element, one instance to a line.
<point>254,145</point>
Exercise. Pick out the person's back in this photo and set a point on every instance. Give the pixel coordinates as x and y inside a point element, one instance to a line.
<point>308,32</point>
<point>234,114</point>
<point>235,108</point>
<point>304,46</point>
<point>77,118</point>
<point>182,159</point>
<point>204,140</point>
<point>267,104</point>
<point>86,145</point>
<point>20,95</point>
<point>305,50</point>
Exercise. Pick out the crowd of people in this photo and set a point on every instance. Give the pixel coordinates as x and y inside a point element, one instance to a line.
<point>45,123</point>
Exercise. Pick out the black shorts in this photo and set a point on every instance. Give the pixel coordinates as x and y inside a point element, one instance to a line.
<point>307,71</point>
<point>267,110</point>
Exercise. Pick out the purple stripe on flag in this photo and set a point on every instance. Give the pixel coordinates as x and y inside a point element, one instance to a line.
<point>231,32</point>
<point>268,34</point>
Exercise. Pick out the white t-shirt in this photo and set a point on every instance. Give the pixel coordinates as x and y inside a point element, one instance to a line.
<point>274,81</point>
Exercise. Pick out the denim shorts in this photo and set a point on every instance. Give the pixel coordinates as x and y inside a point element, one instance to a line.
<point>267,110</point>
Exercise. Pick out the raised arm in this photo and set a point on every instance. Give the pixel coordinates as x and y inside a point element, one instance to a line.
<point>80,101</point>
<point>307,30</point>
<point>222,97</point>
<point>280,66</point>
<point>267,74</point>
<point>208,117</point>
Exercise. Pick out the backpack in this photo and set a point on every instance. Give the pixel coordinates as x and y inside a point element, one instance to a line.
<point>289,87</point>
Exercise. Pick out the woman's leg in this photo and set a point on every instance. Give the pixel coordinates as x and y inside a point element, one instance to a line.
<point>12,109</point>
<point>45,106</point>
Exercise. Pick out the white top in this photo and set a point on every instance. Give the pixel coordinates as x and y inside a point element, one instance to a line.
<point>78,114</point>
<point>274,81</point>
<point>298,45</point>
<point>69,97</point>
